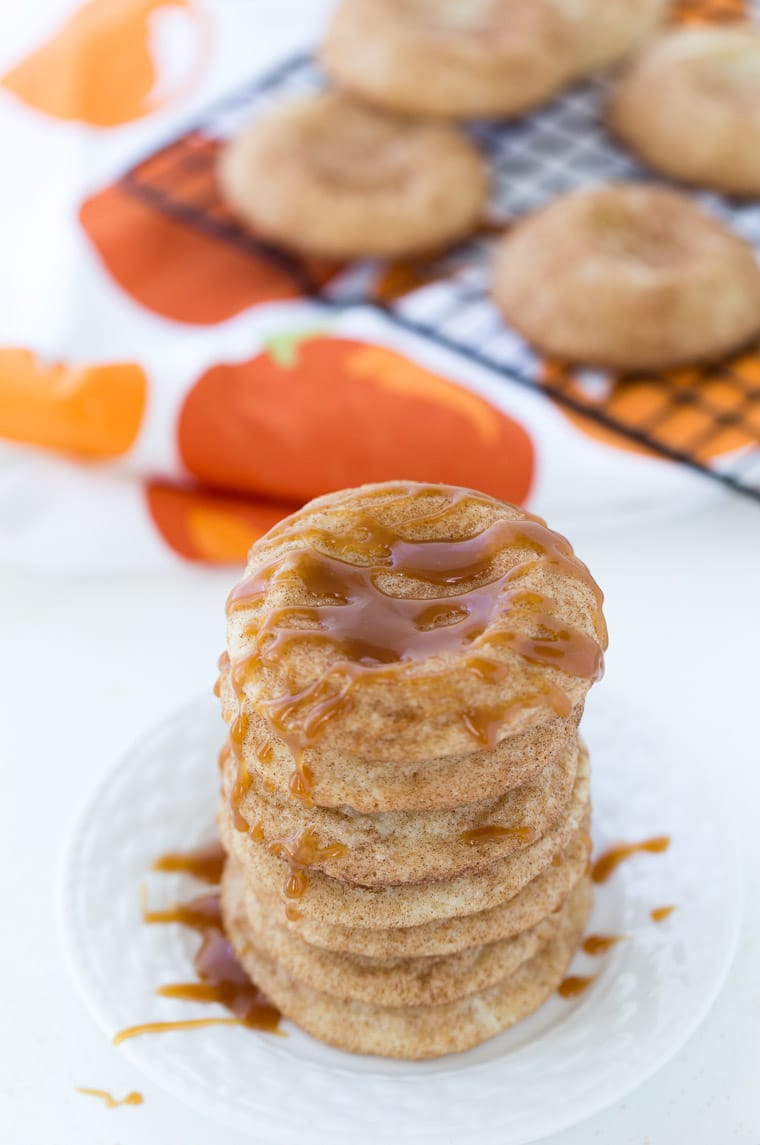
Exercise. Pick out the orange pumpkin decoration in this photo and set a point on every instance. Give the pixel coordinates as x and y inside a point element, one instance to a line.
<point>98,67</point>
<point>177,271</point>
<point>89,411</point>
<point>323,413</point>
<point>209,527</point>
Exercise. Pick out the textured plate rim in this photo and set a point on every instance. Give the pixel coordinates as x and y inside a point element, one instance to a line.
<point>555,1119</point>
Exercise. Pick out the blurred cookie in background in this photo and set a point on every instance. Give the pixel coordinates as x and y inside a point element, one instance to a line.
<point>451,58</point>
<point>328,176</point>
<point>690,107</point>
<point>628,276</point>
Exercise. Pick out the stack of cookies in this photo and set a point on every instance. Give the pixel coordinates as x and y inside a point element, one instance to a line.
<point>405,797</point>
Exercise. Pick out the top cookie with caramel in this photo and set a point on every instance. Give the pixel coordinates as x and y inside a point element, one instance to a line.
<point>408,622</point>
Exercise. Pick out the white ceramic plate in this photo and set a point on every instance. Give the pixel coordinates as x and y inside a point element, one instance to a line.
<point>563,1064</point>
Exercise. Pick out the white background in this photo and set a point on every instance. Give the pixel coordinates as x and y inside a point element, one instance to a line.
<point>89,664</point>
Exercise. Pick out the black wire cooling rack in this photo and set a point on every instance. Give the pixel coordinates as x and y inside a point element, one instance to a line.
<point>707,418</point>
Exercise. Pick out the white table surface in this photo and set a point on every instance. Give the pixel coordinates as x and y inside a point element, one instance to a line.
<point>88,665</point>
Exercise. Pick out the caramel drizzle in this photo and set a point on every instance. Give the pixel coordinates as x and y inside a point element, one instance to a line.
<point>660,913</point>
<point>133,1098</point>
<point>235,740</point>
<point>480,835</point>
<point>485,723</point>
<point>238,731</point>
<point>573,986</point>
<point>610,860</point>
<point>224,755</point>
<point>221,977</point>
<point>597,944</point>
<point>205,863</point>
<point>200,913</point>
<point>223,664</point>
<point>300,851</point>
<point>166,1027</point>
<point>367,630</point>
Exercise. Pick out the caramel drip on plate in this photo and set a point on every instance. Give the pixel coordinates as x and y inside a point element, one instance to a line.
<point>660,913</point>
<point>597,944</point>
<point>486,834</point>
<point>573,986</point>
<point>133,1098</point>
<point>361,614</point>
<point>205,863</point>
<point>166,1027</point>
<point>201,913</point>
<point>610,860</point>
<point>221,978</point>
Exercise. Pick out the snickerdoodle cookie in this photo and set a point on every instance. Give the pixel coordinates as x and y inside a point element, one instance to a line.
<point>328,176</point>
<point>629,276</point>
<point>476,622</point>
<point>458,58</point>
<point>690,107</point>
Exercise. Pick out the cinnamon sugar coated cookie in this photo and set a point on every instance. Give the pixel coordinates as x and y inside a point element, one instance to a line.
<point>458,58</point>
<point>331,177</point>
<point>433,665</point>
<point>630,276</point>
<point>690,108</point>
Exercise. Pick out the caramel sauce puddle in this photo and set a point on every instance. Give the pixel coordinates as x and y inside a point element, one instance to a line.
<point>221,978</point>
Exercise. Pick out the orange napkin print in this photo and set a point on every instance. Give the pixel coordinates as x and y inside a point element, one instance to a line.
<point>681,406</point>
<point>317,413</point>
<point>207,527</point>
<point>176,271</point>
<point>99,67</point>
<point>91,411</point>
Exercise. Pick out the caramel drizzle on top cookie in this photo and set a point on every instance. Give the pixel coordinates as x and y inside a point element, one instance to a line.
<point>370,632</point>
